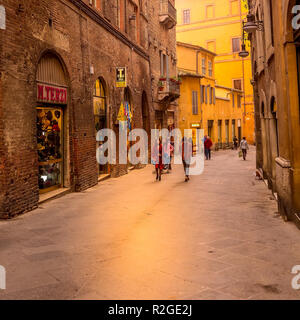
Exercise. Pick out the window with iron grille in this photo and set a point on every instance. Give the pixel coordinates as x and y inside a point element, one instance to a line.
<point>195,102</point>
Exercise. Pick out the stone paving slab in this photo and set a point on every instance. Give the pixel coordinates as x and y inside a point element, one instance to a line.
<point>217,237</point>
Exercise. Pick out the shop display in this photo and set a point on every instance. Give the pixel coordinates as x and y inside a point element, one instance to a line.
<point>49,147</point>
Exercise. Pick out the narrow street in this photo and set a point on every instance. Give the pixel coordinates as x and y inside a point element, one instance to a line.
<point>216,237</point>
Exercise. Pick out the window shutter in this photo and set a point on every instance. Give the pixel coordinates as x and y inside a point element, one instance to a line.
<point>195,102</point>
<point>214,94</point>
<point>206,94</point>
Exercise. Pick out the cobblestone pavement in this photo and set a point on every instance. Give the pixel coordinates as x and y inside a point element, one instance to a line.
<point>216,237</point>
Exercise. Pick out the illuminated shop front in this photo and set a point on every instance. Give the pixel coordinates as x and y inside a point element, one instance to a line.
<point>52,97</point>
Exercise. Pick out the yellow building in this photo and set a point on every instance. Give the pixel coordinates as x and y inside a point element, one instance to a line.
<point>203,104</point>
<point>216,25</point>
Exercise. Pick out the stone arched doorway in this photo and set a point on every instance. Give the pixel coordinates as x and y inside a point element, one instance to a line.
<point>51,108</point>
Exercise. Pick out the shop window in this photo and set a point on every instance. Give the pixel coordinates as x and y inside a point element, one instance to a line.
<point>227,131</point>
<point>52,98</point>
<point>50,154</point>
<point>99,105</point>
<point>220,131</point>
<point>100,115</point>
<point>210,125</point>
<point>236,45</point>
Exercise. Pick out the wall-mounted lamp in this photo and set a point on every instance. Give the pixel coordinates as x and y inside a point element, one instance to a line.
<point>244,53</point>
<point>250,25</point>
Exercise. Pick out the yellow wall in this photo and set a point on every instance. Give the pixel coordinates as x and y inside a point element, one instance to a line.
<point>220,24</point>
<point>223,108</point>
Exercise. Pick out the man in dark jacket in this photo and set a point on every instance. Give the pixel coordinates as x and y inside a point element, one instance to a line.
<point>207,146</point>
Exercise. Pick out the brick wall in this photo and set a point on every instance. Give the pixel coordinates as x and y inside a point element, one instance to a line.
<point>81,39</point>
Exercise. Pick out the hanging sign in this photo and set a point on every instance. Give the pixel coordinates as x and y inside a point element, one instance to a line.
<point>121,81</point>
<point>121,114</point>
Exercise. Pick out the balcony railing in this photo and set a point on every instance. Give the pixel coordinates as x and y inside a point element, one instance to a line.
<point>169,90</point>
<point>167,15</point>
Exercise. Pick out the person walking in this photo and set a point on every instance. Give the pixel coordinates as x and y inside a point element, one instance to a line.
<point>187,153</point>
<point>244,147</point>
<point>168,151</point>
<point>207,147</point>
<point>158,159</point>
<point>235,143</point>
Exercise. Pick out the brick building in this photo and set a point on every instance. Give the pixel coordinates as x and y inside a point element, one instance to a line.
<point>58,61</point>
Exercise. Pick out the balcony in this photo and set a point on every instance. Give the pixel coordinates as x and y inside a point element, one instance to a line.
<point>168,90</point>
<point>167,15</point>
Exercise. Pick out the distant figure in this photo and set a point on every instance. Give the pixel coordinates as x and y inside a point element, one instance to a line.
<point>235,143</point>
<point>158,159</point>
<point>187,153</point>
<point>207,147</point>
<point>244,147</point>
<point>168,152</point>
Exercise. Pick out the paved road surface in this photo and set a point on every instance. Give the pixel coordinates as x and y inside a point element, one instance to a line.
<point>217,237</point>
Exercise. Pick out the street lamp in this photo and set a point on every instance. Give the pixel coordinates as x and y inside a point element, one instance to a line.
<point>251,25</point>
<point>244,53</point>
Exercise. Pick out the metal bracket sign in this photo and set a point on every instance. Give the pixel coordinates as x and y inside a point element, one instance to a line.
<point>2,18</point>
<point>121,77</point>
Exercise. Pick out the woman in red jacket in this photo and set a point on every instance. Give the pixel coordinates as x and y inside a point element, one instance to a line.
<point>158,159</point>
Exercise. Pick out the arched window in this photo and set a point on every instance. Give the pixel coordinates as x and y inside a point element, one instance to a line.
<point>100,115</point>
<point>99,105</point>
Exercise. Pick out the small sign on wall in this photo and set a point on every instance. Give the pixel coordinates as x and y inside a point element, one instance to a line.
<point>51,94</point>
<point>2,18</point>
<point>121,81</point>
